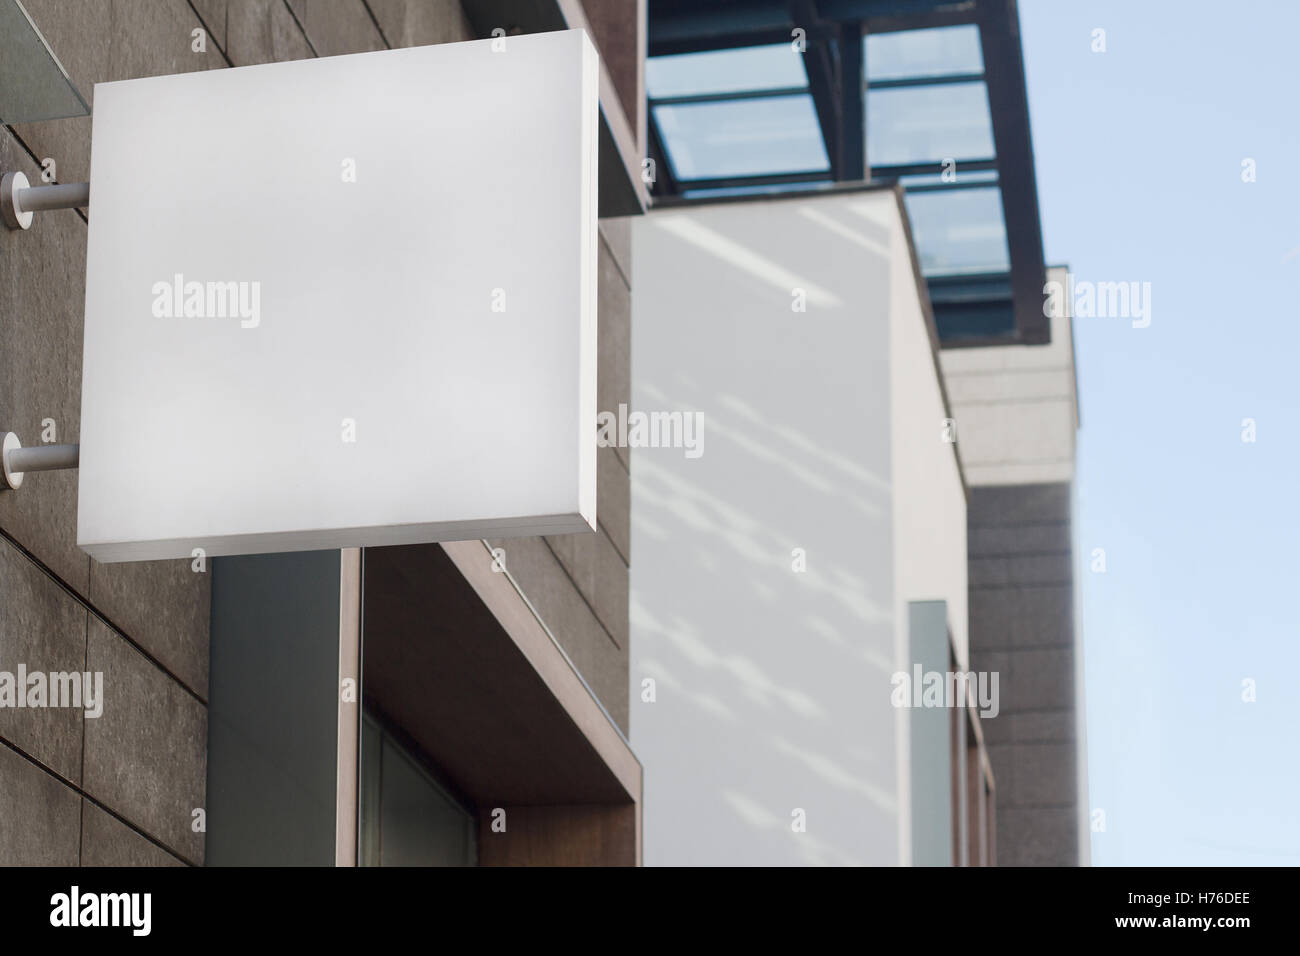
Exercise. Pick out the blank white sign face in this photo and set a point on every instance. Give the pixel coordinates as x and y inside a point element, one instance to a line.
<point>341,302</point>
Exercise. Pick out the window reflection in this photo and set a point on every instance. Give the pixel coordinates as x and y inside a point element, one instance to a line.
<point>742,137</point>
<point>915,53</point>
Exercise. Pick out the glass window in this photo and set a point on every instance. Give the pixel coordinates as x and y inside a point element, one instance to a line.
<point>959,231</point>
<point>756,190</point>
<point>909,54</point>
<point>964,177</point>
<point>925,124</point>
<point>725,71</point>
<point>406,818</point>
<point>33,83</point>
<point>751,137</point>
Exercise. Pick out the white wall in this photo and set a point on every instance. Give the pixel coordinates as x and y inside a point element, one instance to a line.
<point>773,686</point>
<point>929,498</point>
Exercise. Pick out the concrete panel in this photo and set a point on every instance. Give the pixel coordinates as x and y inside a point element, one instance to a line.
<point>212,16</point>
<point>601,576</point>
<point>42,290</point>
<point>1018,473</point>
<point>991,661</point>
<point>1020,504</point>
<point>107,841</point>
<point>146,757</point>
<point>1039,680</point>
<point>43,628</point>
<point>613,500</point>
<point>617,233</point>
<point>1022,617</point>
<point>1036,539</point>
<point>1043,727</point>
<point>1014,433</point>
<point>1008,386</point>
<point>600,661</point>
<point>335,27</point>
<point>421,22</point>
<point>1044,775</point>
<point>1030,727</point>
<point>1034,570</point>
<point>619,29</point>
<point>996,730</point>
<point>263,31</point>
<point>613,336</point>
<point>1037,837</point>
<point>41,819</point>
<point>165,607</point>
<point>1001,757</point>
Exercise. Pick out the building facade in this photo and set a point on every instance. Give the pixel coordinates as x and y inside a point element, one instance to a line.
<point>761,249</point>
<point>866,471</point>
<point>432,704</point>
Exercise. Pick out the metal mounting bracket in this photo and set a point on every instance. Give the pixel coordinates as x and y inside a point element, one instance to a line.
<point>16,461</point>
<point>20,200</point>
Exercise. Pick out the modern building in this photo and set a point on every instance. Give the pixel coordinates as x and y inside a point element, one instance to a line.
<point>461,703</point>
<point>890,414</point>
<point>836,444</point>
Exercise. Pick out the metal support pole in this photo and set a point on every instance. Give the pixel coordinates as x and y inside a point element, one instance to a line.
<point>17,460</point>
<point>64,196</point>
<point>20,201</point>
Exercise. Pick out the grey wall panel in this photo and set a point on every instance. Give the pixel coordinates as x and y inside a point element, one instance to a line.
<point>145,756</point>
<point>42,628</point>
<point>107,841</point>
<point>40,818</point>
<point>335,27</point>
<point>1022,624</point>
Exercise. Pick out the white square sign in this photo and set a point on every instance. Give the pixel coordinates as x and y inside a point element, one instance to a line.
<point>343,301</point>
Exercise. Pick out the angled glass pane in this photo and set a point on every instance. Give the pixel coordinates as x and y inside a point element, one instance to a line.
<point>33,83</point>
<point>908,54</point>
<point>755,190</point>
<point>774,134</point>
<point>959,231</point>
<point>772,67</point>
<point>926,124</point>
<point>963,178</point>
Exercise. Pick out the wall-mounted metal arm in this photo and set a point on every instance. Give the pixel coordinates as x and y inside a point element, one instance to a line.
<point>17,460</point>
<point>20,201</point>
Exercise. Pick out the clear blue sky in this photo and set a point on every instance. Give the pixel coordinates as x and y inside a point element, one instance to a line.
<point>1139,152</point>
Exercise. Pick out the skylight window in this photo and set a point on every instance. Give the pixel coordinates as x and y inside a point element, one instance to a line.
<point>959,231</point>
<point>746,120</point>
<point>911,54</point>
<point>927,124</point>
<point>771,67</point>
<point>744,137</point>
